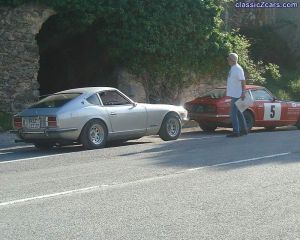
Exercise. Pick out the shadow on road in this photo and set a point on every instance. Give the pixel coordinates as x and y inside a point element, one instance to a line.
<point>24,152</point>
<point>197,149</point>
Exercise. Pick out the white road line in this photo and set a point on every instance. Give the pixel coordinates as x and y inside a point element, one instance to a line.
<point>50,195</point>
<point>118,185</point>
<point>16,147</point>
<point>5,153</point>
<point>33,158</point>
<point>240,161</point>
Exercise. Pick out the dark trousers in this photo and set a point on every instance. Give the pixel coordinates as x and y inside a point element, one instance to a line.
<point>237,118</point>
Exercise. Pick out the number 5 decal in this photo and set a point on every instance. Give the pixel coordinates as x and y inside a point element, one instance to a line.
<point>272,111</point>
<point>272,115</point>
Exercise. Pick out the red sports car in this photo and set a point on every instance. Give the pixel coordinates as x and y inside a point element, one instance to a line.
<point>212,110</point>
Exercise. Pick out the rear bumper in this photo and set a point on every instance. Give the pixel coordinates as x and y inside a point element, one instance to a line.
<point>28,135</point>
<point>208,117</point>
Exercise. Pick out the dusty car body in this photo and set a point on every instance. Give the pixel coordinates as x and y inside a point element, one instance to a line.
<point>92,116</point>
<point>212,110</point>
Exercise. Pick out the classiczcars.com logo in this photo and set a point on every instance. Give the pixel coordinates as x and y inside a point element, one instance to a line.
<point>265,4</point>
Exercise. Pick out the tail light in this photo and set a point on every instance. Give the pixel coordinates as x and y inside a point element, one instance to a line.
<point>51,122</point>
<point>17,122</point>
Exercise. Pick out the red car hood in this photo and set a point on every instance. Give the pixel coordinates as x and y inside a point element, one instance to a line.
<point>208,100</point>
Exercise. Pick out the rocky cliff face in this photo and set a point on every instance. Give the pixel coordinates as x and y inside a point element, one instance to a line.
<point>19,55</point>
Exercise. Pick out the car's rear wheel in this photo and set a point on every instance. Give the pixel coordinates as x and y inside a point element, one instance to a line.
<point>44,146</point>
<point>270,128</point>
<point>94,135</point>
<point>170,128</point>
<point>249,120</point>
<point>208,127</point>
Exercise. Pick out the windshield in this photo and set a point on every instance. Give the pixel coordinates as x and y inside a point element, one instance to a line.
<point>56,100</point>
<point>216,93</point>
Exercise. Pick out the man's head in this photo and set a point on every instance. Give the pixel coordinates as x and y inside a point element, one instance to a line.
<point>232,59</point>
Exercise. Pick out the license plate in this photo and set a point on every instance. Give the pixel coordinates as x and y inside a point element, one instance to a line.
<point>32,122</point>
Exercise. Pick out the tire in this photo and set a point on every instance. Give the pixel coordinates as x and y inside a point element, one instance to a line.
<point>170,128</point>
<point>249,120</point>
<point>208,127</point>
<point>44,146</point>
<point>298,124</point>
<point>94,135</point>
<point>270,128</point>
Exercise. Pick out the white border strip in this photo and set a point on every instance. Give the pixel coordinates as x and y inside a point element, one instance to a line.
<point>93,188</point>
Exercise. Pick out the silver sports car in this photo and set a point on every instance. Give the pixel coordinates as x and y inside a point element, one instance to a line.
<point>93,116</point>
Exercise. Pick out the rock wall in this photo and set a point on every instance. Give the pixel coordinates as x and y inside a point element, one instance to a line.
<point>285,21</point>
<point>235,17</point>
<point>131,86</point>
<point>19,55</point>
<point>287,25</point>
<point>198,89</point>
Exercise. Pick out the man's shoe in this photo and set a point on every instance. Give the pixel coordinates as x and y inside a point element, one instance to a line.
<point>234,135</point>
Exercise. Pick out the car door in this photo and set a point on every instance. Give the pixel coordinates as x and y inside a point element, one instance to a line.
<point>269,112</point>
<point>125,116</point>
<point>293,112</point>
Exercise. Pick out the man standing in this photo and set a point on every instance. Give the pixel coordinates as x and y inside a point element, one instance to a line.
<point>236,89</point>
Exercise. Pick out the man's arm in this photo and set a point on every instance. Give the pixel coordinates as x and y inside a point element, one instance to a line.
<point>243,82</point>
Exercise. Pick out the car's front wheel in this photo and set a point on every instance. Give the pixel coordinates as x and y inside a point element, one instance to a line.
<point>170,128</point>
<point>94,135</point>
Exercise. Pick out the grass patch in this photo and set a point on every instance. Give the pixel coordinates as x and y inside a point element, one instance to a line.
<point>5,121</point>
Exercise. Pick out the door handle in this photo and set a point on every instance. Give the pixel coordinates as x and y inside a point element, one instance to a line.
<point>113,113</point>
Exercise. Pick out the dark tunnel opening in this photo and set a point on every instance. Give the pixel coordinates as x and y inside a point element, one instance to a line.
<point>71,60</point>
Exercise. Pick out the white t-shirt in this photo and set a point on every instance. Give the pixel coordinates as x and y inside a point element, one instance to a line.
<point>234,85</point>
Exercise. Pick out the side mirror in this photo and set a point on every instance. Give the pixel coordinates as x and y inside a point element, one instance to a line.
<point>134,104</point>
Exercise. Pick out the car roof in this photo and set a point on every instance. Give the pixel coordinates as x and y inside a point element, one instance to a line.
<point>87,90</point>
<point>248,87</point>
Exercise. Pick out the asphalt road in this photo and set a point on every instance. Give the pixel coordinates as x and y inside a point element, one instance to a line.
<point>202,186</point>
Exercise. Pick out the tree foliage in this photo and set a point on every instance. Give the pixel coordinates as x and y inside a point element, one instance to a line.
<point>156,39</point>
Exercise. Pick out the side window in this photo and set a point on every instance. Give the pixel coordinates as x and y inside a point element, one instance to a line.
<point>113,98</point>
<point>93,100</point>
<point>262,95</point>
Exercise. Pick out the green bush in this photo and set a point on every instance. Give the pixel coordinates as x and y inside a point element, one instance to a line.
<point>285,85</point>
<point>294,88</point>
<point>5,121</point>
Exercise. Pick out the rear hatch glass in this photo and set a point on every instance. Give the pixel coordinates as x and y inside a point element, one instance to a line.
<point>55,100</point>
<point>216,93</point>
